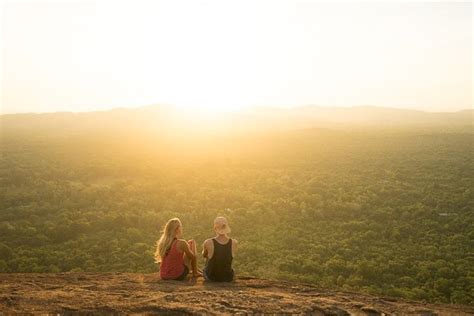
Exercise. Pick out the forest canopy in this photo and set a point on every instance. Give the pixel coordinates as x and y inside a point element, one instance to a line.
<point>381,209</point>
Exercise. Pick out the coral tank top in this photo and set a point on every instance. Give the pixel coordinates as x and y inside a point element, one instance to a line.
<point>172,265</point>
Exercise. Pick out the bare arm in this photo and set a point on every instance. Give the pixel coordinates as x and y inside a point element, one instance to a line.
<point>208,249</point>
<point>183,246</point>
<point>205,252</point>
<point>235,246</point>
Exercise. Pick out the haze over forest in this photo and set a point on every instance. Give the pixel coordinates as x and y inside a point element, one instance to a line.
<point>365,199</point>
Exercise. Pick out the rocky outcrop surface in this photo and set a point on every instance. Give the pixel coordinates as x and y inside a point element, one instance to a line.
<point>83,293</point>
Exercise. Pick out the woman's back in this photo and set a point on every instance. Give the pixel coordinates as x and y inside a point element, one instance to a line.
<point>219,266</point>
<point>172,265</point>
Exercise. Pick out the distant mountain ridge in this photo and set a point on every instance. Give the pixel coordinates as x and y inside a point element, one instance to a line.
<point>374,115</point>
<point>166,118</point>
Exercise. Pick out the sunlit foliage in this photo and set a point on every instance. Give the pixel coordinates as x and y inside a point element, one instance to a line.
<point>382,211</point>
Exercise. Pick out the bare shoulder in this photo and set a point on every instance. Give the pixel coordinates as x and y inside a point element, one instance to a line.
<point>181,243</point>
<point>234,241</point>
<point>208,241</point>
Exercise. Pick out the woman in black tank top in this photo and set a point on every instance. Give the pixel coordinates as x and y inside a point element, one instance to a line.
<point>219,252</point>
<point>219,267</point>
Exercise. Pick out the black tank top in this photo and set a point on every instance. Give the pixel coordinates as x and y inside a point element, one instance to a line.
<point>219,267</point>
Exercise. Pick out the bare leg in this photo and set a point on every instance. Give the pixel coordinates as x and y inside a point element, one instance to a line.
<point>192,264</point>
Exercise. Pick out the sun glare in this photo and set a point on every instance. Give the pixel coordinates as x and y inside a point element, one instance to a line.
<point>221,56</point>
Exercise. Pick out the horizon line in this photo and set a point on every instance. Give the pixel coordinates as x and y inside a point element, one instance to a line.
<point>243,109</point>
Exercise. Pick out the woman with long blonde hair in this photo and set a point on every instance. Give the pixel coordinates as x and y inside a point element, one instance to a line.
<point>175,255</point>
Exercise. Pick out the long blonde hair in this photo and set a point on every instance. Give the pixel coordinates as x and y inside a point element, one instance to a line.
<point>167,236</point>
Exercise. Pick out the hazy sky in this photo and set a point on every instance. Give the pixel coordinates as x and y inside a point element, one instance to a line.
<point>98,54</point>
